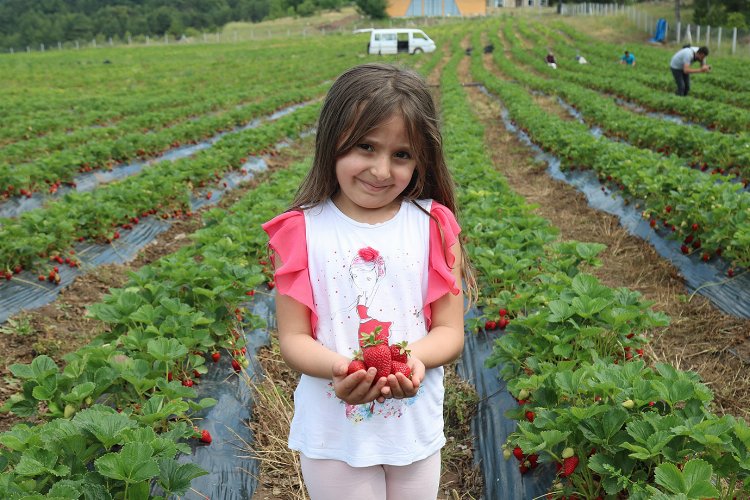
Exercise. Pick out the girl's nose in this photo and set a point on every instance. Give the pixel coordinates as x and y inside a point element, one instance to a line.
<point>381,168</point>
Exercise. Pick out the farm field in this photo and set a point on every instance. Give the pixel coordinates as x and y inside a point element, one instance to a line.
<point>608,221</point>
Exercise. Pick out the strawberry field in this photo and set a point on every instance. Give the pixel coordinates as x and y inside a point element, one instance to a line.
<point>607,219</point>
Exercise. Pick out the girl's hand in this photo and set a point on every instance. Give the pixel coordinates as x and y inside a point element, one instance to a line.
<point>357,388</point>
<point>400,387</point>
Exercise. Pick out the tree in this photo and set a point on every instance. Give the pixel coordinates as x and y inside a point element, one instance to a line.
<point>375,9</point>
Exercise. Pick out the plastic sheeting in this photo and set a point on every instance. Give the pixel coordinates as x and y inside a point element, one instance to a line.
<point>502,479</point>
<point>232,473</point>
<point>707,278</point>
<point>87,182</point>
<point>25,292</point>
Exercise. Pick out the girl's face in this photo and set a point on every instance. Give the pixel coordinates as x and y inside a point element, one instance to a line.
<point>373,174</point>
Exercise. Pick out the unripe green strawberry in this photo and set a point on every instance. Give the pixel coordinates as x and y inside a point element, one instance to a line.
<point>70,410</point>
<point>568,452</point>
<point>507,453</point>
<point>628,403</point>
<point>523,394</point>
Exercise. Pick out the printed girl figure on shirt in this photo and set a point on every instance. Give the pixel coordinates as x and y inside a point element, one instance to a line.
<point>378,180</point>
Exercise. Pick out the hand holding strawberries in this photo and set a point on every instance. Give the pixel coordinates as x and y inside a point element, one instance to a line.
<point>356,388</point>
<point>400,385</point>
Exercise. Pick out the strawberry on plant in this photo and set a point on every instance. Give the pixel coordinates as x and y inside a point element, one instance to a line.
<point>503,322</point>
<point>236,365</point>
<point>569,466</point>
<point>530,416</point>
<point>503,312</point>
<point>568,452</point>
<point>216,356</point>
<point>187,382</point>
<point>490,325</point>
<point>206,436</point>
<point>518,453</point>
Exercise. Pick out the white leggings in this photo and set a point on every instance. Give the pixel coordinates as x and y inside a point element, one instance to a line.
<point>334,479</point>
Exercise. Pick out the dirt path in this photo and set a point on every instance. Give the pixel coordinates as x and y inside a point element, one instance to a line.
<point>701,337</point>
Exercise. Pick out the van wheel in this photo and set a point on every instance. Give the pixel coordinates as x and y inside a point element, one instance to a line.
<point>416,51</point>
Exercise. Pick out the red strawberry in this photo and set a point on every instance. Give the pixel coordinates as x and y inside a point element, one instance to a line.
<point>399,352</point>
<point>490,325</point>
<point>652,223</point>
<point>569,466</point>
<point>503,323</point>
<point>187,382</point>
<point>730,272</point>
<point>533,460</point>
<point>530,416</point>
<point>206,436</point>
<point>377,354</point>
<point>216,356</point>
<point>684,249</point>
<point>694,227</point>
<point>518,453</point>
<point>399,367</point>
<point>503,312</point>
<point>355,365</point>
<point>236,365</point>
<point>523,469</point>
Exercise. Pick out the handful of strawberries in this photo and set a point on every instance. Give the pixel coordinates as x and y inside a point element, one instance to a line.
<point>387,359</point>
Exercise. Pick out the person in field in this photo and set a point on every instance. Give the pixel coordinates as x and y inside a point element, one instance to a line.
<point>368,256</point>
<point>628,59</point>
<point>550,60</point>
<point>681,68</point>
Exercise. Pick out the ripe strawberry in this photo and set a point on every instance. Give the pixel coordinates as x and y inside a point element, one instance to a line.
<point>377,354</point>
<point>399,367</point>
<point>694,227</point>
<point>169,377</point>
<point>503,323</point>
<point>399,352</point>
<point>206,436</point>
<point>684,249</point>
<point>530,416</point>
<point>523,469</point>
<point>569,466</point>
<point>652,223</point>
<point>216,356</point>
<point>518,453</point>
<point>355,365</point>
<point>187,382</point>
<point>503,312</point>
<point>533,460</point>
<point>236,365</point>
<point>730,272</point>
<point>490,325</point>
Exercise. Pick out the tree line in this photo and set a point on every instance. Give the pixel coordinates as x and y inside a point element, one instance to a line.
<point>33,22</point>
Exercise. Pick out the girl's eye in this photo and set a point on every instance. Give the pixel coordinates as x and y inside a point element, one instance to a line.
<point>403,155</point>
<point>364,146</point>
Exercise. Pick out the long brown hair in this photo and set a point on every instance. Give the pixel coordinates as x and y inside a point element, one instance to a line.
<point>362,98</point>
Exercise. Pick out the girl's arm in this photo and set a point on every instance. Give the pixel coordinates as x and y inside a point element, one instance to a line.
<point>441,345</point>
<point>304,354</point>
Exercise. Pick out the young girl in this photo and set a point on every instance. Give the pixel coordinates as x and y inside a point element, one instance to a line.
<point>371,245</point>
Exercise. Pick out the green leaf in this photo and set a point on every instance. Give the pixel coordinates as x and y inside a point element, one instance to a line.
<point>166,349</point>
<point>80,392</point>
<point>133,464</point>
<point>175,478</point>
<point>104,423</point>
<point>694,480</point>
<point>40,368</point>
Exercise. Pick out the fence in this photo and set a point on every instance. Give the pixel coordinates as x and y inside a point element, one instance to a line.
<point>718,38</point>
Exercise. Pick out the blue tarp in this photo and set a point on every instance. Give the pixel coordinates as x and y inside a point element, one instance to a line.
<point>660,34</point>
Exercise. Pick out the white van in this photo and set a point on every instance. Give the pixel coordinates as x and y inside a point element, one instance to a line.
<point>398,41</point>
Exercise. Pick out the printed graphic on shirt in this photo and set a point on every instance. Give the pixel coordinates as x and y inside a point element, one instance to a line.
<point>367,271</point>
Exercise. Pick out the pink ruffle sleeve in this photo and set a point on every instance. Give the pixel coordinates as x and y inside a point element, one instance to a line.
<point>440,278</point>
<point>287,241</point>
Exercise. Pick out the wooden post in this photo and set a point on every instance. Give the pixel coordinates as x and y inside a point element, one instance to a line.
<point>734,40</point>
<point>718,40</point>
<point>708,35</point>
<point>698,34</point>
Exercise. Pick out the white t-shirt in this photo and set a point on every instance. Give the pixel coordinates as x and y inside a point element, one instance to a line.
<point>352,292</point>
<point>684,56</point>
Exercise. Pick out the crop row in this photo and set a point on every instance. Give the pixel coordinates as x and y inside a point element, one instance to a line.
<point>727,73</point>
<point>161,190</point>
<point>711,216</point>
<point>571,350</point>
<point>709,151</point>
<point>714,115</point>
<point>49,172</point>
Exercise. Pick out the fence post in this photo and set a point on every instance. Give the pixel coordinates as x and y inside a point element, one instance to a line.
<point>688,36</point>
<point>110,41</point>
<point>93,42</point>
<point>148,40</point>
<point>718,40</point>
<point>41,47</point>
<point>77,45</point>
<point>698,34</point>
<point>734,40</point>
<point>11,50</point>
<point>59,45</point>
<point>679,31</point>
<point>708,35</point>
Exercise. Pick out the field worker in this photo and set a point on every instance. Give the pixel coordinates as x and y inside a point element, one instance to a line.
<point>550,60</point>
<point>681,70</point>
<point>628,59</point>
<point>368,260</point>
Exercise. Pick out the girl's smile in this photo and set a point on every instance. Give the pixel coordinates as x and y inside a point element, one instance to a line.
<point>374,173</point>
